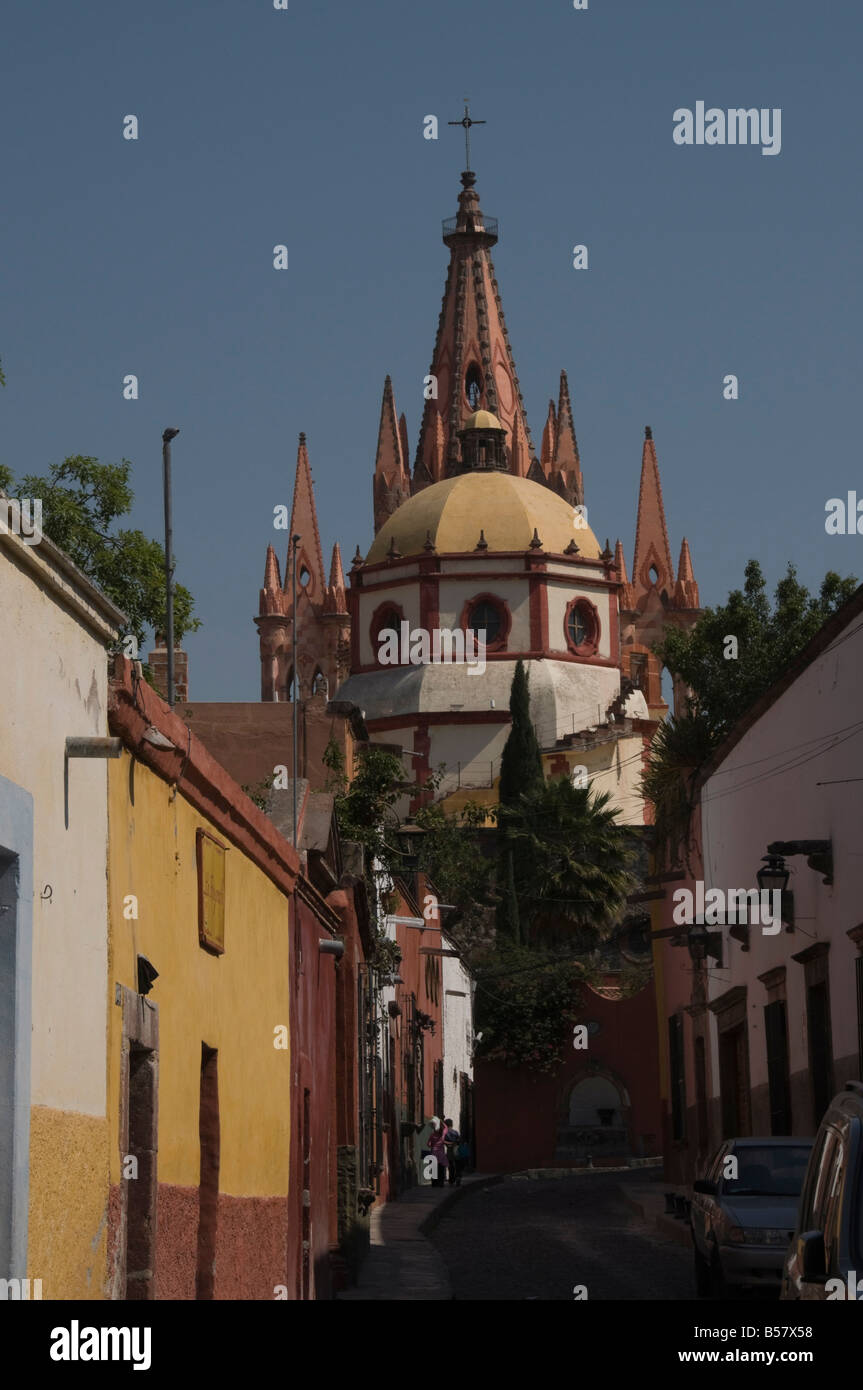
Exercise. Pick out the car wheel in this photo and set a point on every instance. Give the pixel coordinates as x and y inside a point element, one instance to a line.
<point>702,1276</point>
<point>718,1286</point>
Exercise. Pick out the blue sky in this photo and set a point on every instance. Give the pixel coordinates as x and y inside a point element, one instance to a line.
<point>304,127</point>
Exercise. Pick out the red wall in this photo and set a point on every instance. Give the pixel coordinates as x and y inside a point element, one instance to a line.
<point>313,1035</point>
<point>518,1110</point>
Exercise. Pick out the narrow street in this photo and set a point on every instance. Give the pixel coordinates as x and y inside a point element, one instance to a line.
<point>538,1239</point>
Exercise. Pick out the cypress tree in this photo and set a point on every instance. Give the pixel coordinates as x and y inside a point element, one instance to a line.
<point>521,764</point>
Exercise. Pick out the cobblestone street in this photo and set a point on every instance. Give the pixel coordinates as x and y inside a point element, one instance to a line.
<point>537,1239</point>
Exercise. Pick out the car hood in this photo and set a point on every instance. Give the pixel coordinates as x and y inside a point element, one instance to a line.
<point>780,1212</point>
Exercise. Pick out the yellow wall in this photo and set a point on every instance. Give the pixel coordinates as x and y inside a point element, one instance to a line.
<point>232,1002</point>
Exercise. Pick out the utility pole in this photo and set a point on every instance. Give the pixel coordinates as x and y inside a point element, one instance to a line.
<point>295,693</point>
<point>167,436</point>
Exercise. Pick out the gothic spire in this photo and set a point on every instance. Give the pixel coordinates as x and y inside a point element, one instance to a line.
<point>651,566</point>
<point>686,589</point>
<point>304,522</point>
<point>472,365</point>
<point>335,600</point>
<point>392,481</point>
<point>565,470</point>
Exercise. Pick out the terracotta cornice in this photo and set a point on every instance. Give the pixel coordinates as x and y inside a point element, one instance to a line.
<point>735,995</point>
<point>856,935</point>
<point>326,915</point>
<point>811,953</point>
<point>194,772</point>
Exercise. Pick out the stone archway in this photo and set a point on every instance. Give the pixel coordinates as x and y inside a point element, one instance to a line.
<point>595,1121</point>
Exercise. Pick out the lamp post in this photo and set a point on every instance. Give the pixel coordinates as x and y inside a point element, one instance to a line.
<point>167,436</point>
<point>295,680</point>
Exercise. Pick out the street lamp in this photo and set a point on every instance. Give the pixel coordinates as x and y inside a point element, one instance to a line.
<point>773,876</point>
<point>819,854</point>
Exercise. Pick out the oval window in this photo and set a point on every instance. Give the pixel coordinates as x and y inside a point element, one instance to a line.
<point>485,616</point>
<point>581,626</point>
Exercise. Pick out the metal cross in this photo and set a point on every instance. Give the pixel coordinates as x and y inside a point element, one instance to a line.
<point>467,122</point>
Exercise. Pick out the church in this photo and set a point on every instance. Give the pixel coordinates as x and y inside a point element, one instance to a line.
<point>480,534</point>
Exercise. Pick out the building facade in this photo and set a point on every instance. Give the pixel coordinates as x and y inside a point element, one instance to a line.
<point>55,629</point>
<point>766,1023</point>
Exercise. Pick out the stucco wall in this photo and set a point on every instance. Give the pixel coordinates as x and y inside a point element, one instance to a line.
<point>457,1035</point>
<point>53,684</point>
<point>233,1003</point>
<point>795,774</point>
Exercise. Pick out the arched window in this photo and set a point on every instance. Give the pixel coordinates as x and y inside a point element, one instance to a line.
<point>473,385</point>
<point>581,627</point>
<point>387,618</point>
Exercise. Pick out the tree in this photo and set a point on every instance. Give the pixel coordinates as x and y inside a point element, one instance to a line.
<point>521,762</point>
<point>574,862</point>
<point>726,678</point>
<point>520,774</point>
<point>82,500</point>
<point>725,685</point>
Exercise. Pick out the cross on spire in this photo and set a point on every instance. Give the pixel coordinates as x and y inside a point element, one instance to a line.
<point>467,122</point>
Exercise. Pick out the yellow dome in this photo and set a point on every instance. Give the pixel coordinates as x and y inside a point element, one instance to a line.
<point>482,420</point>
<point>508,509</point>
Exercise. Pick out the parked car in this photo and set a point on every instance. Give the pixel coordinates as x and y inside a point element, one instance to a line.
<point>742,1224</point>
<point>828,1241</point>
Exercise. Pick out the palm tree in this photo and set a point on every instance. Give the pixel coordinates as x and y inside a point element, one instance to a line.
<point>574,864</point>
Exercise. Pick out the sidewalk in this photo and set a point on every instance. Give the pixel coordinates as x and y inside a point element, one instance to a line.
<point>650,1205</point>
<point>402,1263</point>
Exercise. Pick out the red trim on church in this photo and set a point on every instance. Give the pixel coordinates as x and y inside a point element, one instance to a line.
<point>498,645</point>
<point>590,615</point>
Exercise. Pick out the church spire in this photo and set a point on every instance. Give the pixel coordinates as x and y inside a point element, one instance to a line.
<point>304,522</point>
<point>652,570</point>
<point>686,590</point>
<point>472,366</point>
<point>336,601</point>
<point>565,470</point>
<point>391,484</point>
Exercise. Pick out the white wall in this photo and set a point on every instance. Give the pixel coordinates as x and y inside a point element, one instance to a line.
<point>53,683</point>
<point>457,1034</point>
<point>792,776</point>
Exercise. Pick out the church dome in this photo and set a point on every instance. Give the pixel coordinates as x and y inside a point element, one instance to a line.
<point>508,509</point>
<point>482,420</point>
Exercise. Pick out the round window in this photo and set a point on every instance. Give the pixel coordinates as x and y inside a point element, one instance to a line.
<point>581,625</point>
<point>485,617</point>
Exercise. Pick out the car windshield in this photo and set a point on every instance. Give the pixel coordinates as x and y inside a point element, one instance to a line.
<point>768,1171</point>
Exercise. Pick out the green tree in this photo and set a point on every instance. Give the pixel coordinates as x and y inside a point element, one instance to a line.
<point>768,640</point>
<point>527,1002</point>
<point>574,862</point>
<point>521,762</point>
<point>724,685</point>
<point>520,774</point>
<point>82,500</point>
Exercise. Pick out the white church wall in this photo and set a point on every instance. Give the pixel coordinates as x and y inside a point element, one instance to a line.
<point>559,596</point>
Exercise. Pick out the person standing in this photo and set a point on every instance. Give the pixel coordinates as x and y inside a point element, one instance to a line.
<point>437,1148</point>
<point>453,1139</point>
